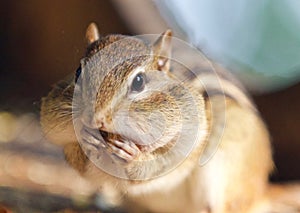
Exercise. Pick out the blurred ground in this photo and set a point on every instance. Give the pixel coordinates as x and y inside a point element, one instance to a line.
<point>43,41</point>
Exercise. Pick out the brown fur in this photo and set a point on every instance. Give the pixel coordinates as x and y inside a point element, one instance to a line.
<point>235,176</point>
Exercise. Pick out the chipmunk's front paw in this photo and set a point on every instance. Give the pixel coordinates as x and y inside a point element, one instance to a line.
<point>92,137</point>
<point>123,151</point>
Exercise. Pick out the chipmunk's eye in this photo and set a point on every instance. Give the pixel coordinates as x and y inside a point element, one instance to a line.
<point>77,74</point>
<point>138,83</point>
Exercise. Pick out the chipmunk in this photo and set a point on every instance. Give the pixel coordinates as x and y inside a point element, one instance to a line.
<point>139,123</point>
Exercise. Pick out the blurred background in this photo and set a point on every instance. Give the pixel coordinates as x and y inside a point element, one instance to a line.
<point>42,42</point>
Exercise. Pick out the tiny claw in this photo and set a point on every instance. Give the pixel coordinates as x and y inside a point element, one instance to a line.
<point>128,147</point>
<point>120,152</point>
<point>125,150</point>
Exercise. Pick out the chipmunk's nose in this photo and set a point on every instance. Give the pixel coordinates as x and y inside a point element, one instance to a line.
<point>100,121</point>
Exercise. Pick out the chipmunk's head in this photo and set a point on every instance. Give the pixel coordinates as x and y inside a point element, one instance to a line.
<point>128,90</point>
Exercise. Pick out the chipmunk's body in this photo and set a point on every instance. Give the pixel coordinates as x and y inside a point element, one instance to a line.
<point>158,124</point>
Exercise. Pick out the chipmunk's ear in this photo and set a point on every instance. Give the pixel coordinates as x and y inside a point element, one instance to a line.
<point>92,33</point>
<point>162,50</point>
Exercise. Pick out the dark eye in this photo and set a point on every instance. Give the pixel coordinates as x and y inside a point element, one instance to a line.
<point>77,74</point>
<point>138,83</point>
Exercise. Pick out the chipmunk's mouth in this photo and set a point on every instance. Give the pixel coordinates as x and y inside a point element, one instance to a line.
<point>108,137</point>
<point>104,135</point>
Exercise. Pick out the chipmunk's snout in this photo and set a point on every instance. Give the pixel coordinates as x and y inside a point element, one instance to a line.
<point>103,121</point>
<point>100,119</point>
<point>97,120</point>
